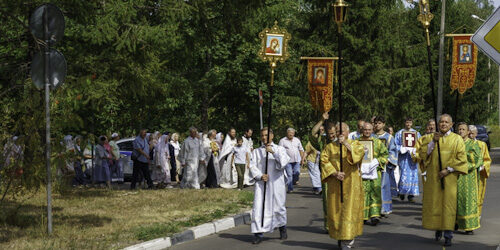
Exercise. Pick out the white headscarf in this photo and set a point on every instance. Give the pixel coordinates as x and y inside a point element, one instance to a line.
<point>68,142</point>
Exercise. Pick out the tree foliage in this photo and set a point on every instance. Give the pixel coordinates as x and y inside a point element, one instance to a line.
<point>171,64</point>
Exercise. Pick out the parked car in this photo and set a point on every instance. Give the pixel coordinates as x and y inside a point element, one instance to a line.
<point>126,146</point>
<point>483,135</point>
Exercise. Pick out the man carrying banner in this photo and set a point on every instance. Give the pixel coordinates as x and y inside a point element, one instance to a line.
<point>345,219</point>
<point>439,209</point>
<point>275,196</point>
<point>319,141</point>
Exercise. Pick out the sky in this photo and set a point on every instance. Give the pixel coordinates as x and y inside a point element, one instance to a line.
<point>496,3</point>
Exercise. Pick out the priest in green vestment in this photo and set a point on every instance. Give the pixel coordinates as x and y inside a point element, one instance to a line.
<point>439,209</point>
<point>319,141</point>
<point>467,193</point>
<point>484,170</point>
<point>371,175</point>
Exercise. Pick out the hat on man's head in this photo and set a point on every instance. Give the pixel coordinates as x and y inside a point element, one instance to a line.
<point>114,135</point>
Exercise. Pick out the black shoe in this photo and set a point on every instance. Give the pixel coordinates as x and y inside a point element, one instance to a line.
<point>447,242</point>
<point>410,199</point>
<point>469,232</point>
<point>374,221</point>
<point>257,240</point>
<point>339,243</point>
<point>402,197</point>
<point>438,235</point>
<point>456,227</point>
<point>283,234</point>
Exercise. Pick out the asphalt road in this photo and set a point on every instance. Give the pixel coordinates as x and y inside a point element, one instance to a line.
<point>402,230</point>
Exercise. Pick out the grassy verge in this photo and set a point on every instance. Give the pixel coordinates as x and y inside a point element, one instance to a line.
<point>101,219</point>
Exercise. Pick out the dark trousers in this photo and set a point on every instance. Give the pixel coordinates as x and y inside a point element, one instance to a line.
<point>80,178</point>
<point>144,168</point>
<point>211,175</point>
<point>448,234</point>
<point>173,170</point>
<point>240,169</point>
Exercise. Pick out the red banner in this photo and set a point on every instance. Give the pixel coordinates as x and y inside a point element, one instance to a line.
<point>320,74</point>
<point>463,69</point>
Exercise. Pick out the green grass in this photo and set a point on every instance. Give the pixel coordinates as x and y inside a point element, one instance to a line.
<point>157,230</point>
<point>103,219</point>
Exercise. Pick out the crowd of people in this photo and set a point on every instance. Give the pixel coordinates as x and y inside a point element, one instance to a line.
<point>357,173</point>
<point>363,171</point>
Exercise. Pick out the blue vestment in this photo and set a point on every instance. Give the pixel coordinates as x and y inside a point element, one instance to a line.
<point>408,182</point>
<point>389,185</point>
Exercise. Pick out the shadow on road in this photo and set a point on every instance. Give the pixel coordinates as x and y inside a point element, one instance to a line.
<point>410,242</point>
<point>309,244</point>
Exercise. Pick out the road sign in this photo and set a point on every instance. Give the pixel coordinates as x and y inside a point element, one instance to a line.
<point>55,23</point>
<point>487,37</point>
<point>57,69</point>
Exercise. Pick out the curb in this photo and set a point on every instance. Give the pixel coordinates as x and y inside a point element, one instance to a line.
<point>195,232</point>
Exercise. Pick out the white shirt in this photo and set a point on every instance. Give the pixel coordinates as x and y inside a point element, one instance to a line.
<point>354,135</point>
<point>247,142</point>
<point>240,154</point>
<point>293,148</point>
<point>177,147</point>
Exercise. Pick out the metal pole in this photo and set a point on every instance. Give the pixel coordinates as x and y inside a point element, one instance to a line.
<point>498,94</point>
<point>260,110</point>
<point>340,111</point>
<point>273,66</point>
<point>441,59</point>
<point>47,120</point>
<point>429,61</point>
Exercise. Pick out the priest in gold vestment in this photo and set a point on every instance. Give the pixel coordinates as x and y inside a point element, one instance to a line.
<point>439,208</point>
<point>345,219</point>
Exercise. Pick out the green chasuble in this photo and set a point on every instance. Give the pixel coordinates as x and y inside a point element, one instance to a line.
<point>320,143</point>
<point>439,208</point>
<point>467,191</point>
<point>372,188</point>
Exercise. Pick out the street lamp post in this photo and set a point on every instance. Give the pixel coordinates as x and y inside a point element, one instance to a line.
<point>425,18</point>
<point>340,15</point>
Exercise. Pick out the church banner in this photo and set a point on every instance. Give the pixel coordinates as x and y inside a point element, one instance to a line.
<point>320,72</point>
<point>464,63</point>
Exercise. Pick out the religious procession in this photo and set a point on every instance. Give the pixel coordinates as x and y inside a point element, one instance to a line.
<point>222,124</point>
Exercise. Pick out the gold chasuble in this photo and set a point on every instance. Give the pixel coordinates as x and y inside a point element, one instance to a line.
<point>345,220</point>
<point>439,210</point>
<point>484,173</point>
<point>421,152</point>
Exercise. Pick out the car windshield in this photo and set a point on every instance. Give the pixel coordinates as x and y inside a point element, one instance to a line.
<point>481,130</point>
<point>126,145</point>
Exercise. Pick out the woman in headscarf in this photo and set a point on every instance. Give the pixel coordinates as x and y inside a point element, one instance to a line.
<point>202,168</point>
<point>177,148</point>
<point>161,167</point>
<point>211,149</point>
<point>219,138</point>
<point>101,171</point>
<point>80,178</point>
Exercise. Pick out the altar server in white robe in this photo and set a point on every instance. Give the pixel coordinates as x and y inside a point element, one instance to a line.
<point>229,176</point>
<point>275,197</point>
<point>190,157</point>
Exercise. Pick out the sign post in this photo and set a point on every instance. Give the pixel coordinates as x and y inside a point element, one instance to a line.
<point>48,69</point>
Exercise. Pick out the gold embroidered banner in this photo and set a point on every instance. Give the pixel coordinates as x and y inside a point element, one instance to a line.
<point>320,74</point>
<point>463,69</point>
